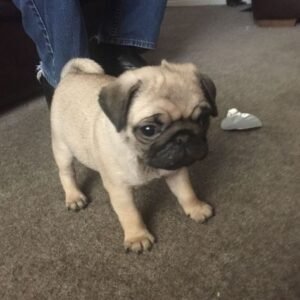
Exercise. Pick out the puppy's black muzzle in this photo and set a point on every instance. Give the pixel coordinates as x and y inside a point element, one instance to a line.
<point>180,145</point>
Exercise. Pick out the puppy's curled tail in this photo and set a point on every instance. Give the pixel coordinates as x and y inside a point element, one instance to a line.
<point>81,65</point>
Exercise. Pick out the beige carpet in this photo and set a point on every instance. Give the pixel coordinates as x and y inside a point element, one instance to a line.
<point>249,250</point>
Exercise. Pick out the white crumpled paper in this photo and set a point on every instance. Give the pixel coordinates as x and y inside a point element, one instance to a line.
<point>236,120</point>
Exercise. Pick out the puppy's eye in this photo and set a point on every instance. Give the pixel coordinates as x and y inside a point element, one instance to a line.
<point>149,130</point>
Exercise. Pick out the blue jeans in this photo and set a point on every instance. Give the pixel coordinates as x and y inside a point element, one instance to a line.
<point>58,30</point>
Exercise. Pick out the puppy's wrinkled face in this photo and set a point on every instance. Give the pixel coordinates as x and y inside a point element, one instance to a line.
<point>171,144</point>
<point>167,114</point>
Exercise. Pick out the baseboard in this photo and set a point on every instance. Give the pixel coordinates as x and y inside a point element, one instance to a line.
<point>195,2</point>
<point>198,2</point>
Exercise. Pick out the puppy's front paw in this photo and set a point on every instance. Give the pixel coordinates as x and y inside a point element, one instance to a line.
<point>76,202</point>
<point>199,211</point>
<point>139,242</point>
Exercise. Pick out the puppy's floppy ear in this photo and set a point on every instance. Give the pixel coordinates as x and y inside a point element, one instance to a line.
<point>210,92</point>
<point>115,100</point>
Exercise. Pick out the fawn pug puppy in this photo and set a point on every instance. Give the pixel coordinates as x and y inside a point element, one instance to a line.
<point>147,123</point>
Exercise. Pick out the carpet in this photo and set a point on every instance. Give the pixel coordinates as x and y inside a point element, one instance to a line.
<point>248,250</point>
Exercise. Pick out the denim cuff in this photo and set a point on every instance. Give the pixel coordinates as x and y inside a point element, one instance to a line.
<point>43,72</point>
<point>128,42</point>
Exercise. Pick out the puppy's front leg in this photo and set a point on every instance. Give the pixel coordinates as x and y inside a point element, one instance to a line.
<point>137,237</point>
<point>179,183</point>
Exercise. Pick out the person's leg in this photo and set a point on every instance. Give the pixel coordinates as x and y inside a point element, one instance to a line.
<point>58,31</point>
<point>133,22</point>
<point>128,27</point>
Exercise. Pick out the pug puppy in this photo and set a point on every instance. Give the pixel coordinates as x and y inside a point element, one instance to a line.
<point>147,123</point>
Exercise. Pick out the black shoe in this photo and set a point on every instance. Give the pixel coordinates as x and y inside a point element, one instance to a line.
<point>116,59</point>
<point>48,90</point>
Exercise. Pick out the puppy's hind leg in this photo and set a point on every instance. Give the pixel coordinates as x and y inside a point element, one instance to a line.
<point>75,200</point>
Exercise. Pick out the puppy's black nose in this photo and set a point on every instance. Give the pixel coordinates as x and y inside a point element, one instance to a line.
<point>182,138</point>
